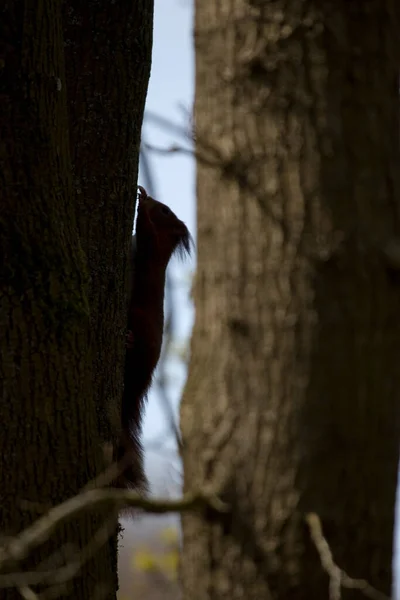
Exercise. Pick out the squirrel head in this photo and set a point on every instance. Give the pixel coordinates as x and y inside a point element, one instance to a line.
<point>159,231</point>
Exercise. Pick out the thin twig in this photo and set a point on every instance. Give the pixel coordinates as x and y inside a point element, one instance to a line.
<point>27,593</point>
<point>338,578</point>
<point>161,370</point>
<point>19,547</point>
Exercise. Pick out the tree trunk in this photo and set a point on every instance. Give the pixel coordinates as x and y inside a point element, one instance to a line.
<point>54,296</point>
<point>292,403</point>
<point>108,57</point>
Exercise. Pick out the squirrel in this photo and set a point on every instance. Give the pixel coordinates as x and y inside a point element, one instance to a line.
<point>159,235</point>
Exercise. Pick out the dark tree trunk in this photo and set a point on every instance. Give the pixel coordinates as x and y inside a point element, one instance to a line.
<point>60,308</point>
<point>292,403</point>
<point>108,57</point>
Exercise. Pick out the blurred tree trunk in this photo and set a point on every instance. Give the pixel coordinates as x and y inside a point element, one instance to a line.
<point>60,308</point>
<point>292,403</point>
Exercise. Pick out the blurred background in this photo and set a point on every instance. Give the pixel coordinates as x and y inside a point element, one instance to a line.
<point>149,549</point>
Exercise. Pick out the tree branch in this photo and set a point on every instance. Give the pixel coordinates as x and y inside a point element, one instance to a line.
<point>338,578</point>
<point>20,546</point>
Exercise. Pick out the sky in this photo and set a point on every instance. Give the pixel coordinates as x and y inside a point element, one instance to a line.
<point>170,95</point>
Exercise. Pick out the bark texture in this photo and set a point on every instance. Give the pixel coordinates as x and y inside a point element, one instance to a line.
<point>54,297</point>
<point>108,58</point>
<point>292,403</point>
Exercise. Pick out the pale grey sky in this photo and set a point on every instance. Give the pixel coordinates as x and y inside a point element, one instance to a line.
<point>170,95</point>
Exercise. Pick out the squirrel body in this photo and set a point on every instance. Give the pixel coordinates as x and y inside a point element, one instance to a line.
<point>159,234</point>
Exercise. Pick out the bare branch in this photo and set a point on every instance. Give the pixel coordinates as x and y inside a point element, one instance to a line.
<point>56,578</point>
<point>161,370</point>
<point>19,547</point>
<point>167,124</point>
<point>173,149</point>
<point>27,593</point>
<point>338,578</point>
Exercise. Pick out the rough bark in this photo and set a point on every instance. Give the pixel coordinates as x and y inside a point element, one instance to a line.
<point>292,403</point>
<point>54,297</point>
<point>108,58</point>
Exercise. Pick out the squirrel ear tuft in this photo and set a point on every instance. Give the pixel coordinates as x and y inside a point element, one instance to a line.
<point>142,194</point>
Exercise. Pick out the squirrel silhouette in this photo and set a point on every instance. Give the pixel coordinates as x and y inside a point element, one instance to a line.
<point>159,235</point>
